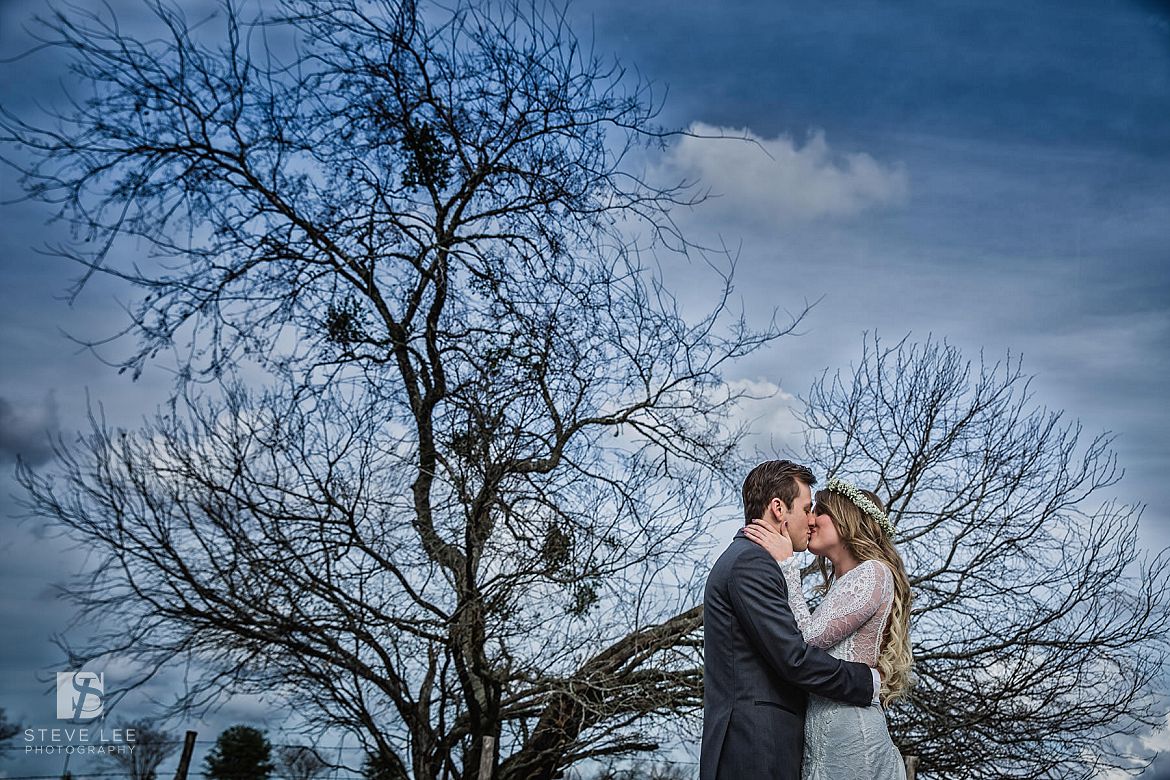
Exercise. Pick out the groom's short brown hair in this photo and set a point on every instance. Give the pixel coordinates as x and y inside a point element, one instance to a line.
<point>773,479</point>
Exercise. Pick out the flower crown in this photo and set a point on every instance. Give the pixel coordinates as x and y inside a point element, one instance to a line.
<point>863,503</point>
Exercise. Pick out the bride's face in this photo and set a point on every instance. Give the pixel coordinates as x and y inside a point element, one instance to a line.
<point>824,536</point>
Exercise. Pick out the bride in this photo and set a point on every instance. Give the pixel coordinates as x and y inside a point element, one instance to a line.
<point>865,617</point>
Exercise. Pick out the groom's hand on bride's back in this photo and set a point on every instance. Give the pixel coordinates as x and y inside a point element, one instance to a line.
<point>778,545</point>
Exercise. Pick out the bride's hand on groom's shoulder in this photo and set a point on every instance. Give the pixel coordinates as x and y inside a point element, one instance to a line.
<point>778,545</point>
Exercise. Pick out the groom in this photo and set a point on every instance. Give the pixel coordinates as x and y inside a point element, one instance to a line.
<point>757,669</point>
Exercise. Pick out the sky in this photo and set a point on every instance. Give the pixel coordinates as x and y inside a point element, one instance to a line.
<point>993,173</point>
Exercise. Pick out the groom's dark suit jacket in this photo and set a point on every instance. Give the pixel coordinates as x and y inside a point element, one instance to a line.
<point>757,669</point>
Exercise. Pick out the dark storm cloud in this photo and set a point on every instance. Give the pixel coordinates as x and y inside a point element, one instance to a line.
<point>1080,72</point>
<point>26,430</point>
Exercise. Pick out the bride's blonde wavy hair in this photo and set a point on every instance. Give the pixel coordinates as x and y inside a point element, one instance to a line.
<point>866,540</point>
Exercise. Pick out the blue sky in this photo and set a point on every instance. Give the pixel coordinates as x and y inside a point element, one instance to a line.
<point>994,173</point>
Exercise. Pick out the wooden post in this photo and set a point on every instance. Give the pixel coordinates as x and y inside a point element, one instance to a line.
<point>911,767</point>
<point>185,759</point>
<point>487,757</point>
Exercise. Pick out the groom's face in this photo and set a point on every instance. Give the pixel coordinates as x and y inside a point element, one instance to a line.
<point>798,516</point>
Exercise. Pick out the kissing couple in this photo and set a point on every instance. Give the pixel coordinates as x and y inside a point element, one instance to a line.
<point>790,693</point>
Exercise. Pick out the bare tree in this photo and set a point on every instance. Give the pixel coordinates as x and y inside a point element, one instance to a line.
<point>151,745</point>
<point>640,770</point>
<point>8,730</point>
<point>299,762</point>
<point>476,437</point>
<point>1038,626</point>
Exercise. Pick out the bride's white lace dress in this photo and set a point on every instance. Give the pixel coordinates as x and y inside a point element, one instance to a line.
<point>841,741</point>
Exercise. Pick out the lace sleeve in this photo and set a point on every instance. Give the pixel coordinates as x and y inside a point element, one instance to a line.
<point>796,601</point>
<point>852,600</point>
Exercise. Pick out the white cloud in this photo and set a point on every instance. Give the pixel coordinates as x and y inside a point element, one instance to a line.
<point>767,411</point>
<point>1156,741</point>
<point>776,180</point>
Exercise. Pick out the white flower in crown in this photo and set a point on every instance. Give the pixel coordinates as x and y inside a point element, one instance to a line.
<point>863,503</point>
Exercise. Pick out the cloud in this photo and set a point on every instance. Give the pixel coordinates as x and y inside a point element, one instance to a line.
<point>1159,742</point>
<point>775,180</point>
<point>25,429</point>
<point>767,412</point>
<point>1153,742</point>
